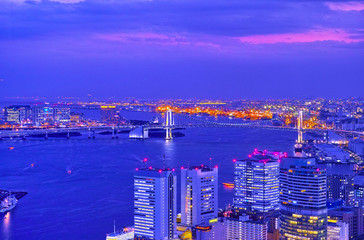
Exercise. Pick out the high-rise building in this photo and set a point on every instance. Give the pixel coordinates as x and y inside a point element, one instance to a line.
<point>155,204</point>
<point>341,187</point>
<point>244,228</point>
<point>257,184</point>
<point>199,195</point>
<point>18,114</point>
<point>303,211</point>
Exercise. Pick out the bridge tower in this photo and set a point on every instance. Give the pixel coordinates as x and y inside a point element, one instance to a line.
<point>169,124</point>
<point>300,128</point>
<point>298,147</point>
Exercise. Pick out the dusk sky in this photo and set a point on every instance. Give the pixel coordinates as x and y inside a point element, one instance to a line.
<point>182,48</point>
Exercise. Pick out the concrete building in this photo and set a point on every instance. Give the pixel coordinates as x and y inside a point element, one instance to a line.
<point>155,204</point>
<point>302,199</point>
<point>337,230</point>
<point>353,216</point>
<point>199,195</point>
<point>215,230</point>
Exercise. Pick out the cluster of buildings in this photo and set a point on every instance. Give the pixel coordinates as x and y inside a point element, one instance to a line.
<point>38,115</point>
<point>54,115</point>
<point>275,197</point>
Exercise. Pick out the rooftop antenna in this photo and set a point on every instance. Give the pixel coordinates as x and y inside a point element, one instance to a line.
<point>188,164</point>
<point>164,161</point>
<point>145,162</point>
<point>210,162</point>
<point>114,227</point>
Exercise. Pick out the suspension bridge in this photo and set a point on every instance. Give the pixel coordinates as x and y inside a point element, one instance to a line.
<point>165,122</point>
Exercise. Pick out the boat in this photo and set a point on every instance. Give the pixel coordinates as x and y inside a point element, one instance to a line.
<point>9,200</point>
<point>228,185</point>
<point>8,203</point>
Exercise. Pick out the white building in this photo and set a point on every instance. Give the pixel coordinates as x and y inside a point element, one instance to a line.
<point>337,230</point>
<point>155,204</point>
<point>245,229</point>
<point>199,195</point>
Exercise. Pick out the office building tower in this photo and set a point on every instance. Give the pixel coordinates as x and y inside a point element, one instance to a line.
<point>199,195</point>
<point>155,204</point>
<point>243,228</point>
<point>341,187</point>
<point>303,211</point>
<point>257,184</point>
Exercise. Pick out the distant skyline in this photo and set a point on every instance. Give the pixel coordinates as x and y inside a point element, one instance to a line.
<point>182,48</point>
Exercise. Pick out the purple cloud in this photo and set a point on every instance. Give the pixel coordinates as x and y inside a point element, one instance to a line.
<point>346,6</point>
<point>236,45</point>
<point>151,38</point>
<point>320,35</point>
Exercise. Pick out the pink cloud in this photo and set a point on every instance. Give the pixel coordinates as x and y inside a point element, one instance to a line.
<point>306,37</point>
<point>156,39</point>
<point>346,6</point>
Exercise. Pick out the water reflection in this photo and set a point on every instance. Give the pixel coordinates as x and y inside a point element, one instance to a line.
<point>6,226</point>
<point>169,152</point>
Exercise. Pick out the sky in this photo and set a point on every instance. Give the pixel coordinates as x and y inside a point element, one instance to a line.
<point>182,48</point>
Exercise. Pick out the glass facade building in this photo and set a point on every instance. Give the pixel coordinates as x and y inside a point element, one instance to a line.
<point>303,211</point>
<point>257,184</point>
